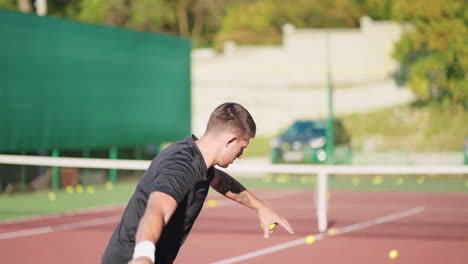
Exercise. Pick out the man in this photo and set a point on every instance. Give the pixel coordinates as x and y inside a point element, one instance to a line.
<point>171,193</point>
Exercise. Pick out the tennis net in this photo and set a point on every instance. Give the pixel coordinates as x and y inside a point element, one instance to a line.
<point>320,177</point>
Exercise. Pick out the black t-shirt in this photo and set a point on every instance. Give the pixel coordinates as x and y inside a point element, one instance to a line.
<point>179,171</point>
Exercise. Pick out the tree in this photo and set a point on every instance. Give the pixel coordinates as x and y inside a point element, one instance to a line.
<point>25,6</point>
<point>434,55</point>
<point>260,21</point>
<point>376,9</point>
<point>187,18</point>
<point>20,5</point>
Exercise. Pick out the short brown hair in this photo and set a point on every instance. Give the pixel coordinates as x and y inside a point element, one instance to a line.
<point>232,116</point>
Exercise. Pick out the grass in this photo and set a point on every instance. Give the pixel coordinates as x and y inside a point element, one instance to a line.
<point>409,128</point>
<point>38,203</point>
<point>20,205</point>
<point>403,128</point>
<point>438,183</point>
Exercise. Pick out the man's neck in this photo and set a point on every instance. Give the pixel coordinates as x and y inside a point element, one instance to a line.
<point>208,149</point>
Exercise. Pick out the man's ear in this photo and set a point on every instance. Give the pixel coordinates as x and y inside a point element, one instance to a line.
<point>231,140</point>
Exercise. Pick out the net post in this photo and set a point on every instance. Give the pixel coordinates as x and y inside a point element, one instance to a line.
<point>113,153</point>
<point>86,154</point>
<point>22,174</point>
<point>322,201</point>
<point>138,152</point>
<point>55,171</point>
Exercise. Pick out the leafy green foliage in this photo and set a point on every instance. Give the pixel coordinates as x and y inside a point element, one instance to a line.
<point>435,53</point>
<point>260,21</point>
<point>8,4</point>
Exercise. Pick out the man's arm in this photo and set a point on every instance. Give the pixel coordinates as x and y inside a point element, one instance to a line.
<point>159,209</point>
<point>232,189</point>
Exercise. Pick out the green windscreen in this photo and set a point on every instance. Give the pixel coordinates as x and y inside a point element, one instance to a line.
<point>70,85</point>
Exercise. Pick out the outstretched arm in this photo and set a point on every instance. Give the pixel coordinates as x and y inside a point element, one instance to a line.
<point>232,189</point>
<point>159,209</point>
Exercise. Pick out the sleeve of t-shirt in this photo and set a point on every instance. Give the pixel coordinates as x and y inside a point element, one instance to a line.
<point>174,178</point>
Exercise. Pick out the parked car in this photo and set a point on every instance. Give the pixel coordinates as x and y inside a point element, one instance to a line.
<point>305,142</point>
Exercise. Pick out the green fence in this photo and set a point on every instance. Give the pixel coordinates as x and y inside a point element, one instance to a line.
<point>67,85</point>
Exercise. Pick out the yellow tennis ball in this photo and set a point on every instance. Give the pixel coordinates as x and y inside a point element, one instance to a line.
<point>212,203</point>
<point>332,231</point>
<point>283,178</point>
<point>69,189</point>
<point>90,189</point>
<point>355,181</point>
<point>421,180</point>
<point>109,186</point>
<point>52,196</point>
<point>400,181</point>
<point>79,188</point>
<point>310,239</point>
<point>377,180</point>
<point>271,227</point>
<point>266,179</point>
<point>393,254</point>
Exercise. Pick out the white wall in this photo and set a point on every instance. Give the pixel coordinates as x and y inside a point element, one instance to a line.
<point>282,83</point>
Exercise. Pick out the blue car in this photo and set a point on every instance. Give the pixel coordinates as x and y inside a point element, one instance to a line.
<point>305,142</point>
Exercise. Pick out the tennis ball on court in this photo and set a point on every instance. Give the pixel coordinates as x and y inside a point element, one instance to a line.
<point>355,181</point>
<point>332,231</point>
<point>266,179</point>
<point>109,186</point>
<point>90,189</point>
<point>283,178</point>
<point>466,183</point>
<point>421,180</point>
<point>310,239</point>
<point>377,180</point>
<point>393,254</point>
<point>304,180</point>
<point>79,188</point>
<point>400,181</point>
<point>69,189</point>
<point>212,203</point>
<point>52,196</point>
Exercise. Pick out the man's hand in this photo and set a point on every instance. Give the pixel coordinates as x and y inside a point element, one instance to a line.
<point>141,260</point>
<point>232,189</point>
<point>267,217</point>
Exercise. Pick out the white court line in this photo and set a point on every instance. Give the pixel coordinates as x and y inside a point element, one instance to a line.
<point>98,221</point>
<point>62,227</point>
<point>66,213</point>
<point>302,241</point>
<point>381,220</point>
<point>122,206</point>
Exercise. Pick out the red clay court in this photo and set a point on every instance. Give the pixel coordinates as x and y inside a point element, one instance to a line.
<point>423,227</point>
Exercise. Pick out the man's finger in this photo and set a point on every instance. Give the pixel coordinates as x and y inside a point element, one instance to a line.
<point>266,232</point>
<point>284,223</point>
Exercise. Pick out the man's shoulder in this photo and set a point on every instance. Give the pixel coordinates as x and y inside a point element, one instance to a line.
<point>180,150</point>
<point>176,147</point>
